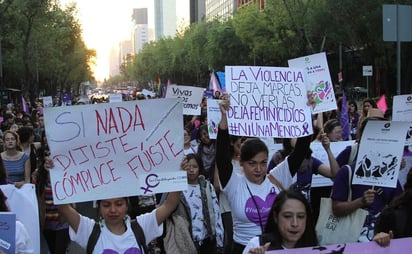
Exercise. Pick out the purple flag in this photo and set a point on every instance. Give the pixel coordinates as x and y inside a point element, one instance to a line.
<point>24,105</point>
<point>344,118</point>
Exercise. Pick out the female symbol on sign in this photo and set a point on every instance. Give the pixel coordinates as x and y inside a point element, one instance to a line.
<point>148,184</point>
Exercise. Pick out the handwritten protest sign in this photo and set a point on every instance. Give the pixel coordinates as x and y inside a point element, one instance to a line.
<point>7,232</point>
<point>213,117</point>
<point>115,149</point>
<point>380,153</point>
<point>401,245</point>
<point>402,111</point>
<point>190,96</point>
<point>267,102</point>
<point>318,77</point>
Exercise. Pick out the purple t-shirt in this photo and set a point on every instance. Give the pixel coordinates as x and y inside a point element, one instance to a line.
<point>305,174</point>
<point>383,195</point>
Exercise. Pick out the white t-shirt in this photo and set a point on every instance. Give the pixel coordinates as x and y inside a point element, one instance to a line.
<point>23,241</point>
<point>223,200</point>
<point>246,220</point>
<point>119,243</point>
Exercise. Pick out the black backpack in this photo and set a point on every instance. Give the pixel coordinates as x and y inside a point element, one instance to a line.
<point>137,231</point>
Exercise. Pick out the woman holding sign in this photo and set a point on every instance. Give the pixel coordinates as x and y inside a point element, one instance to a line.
<point>116,232</point>
<point>252,194</point>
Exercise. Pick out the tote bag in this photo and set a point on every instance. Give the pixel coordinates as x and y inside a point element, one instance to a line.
<point>331,229</point>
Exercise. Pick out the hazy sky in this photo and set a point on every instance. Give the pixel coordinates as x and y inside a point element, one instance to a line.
<point>107,22</point>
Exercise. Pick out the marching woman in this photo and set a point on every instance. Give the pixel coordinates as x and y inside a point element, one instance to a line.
<point>251,195</point>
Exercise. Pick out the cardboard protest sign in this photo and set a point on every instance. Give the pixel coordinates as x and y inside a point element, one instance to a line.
<point>380,153</point>
<point>213,117</point>
<point>401,245</point>
<point>190,96</point>
<point>23,202</point>
<point>115,149</point>
<point>318,77</point>
<point>267,102</point>
<point>7,232</point>
<point>402,111</point>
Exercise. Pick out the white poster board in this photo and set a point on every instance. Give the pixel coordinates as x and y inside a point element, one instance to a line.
<point>267,102</point>
<point>23,202</point>
<point>213,117</point>
<point>115,149</point>
<point>318,77</point>
<point>190,96</point>
<point>319,153</point>
<point>380,153</point>
<point>47,101</point>
<point>402,111</point>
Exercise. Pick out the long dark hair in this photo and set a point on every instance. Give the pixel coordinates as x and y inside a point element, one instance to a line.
<point>271,231</point>
<point>42,173</point>
<point>251,147</point>
<point>3,205</point>
<point>3,172</point>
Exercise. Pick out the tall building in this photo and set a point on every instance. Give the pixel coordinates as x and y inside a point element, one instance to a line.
<point>243,3</point>
<point>113,62</point>
<point>140,32</point>
<point>165,18</point>
<point>197,11</point>
<point>125,53</point>
<point>220,9</point>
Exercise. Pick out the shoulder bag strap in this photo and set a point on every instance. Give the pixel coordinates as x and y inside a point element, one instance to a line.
<point>94,236</point>
<point>349,182</point>
<point>139,235</point>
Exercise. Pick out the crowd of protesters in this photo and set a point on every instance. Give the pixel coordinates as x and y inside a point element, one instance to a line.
<point>235,169</point>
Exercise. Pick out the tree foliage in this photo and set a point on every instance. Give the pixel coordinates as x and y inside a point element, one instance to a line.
<point>42,47</point>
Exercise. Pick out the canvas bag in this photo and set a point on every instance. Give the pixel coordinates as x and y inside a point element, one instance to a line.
<point>177,238</point>
<point>331,229</point>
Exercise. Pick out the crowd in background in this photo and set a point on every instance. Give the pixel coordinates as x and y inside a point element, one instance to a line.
<point>227,176</point>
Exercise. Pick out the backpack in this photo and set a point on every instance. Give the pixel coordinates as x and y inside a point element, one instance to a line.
<point>137,231</point>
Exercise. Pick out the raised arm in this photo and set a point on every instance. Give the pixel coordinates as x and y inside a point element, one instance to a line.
<point>333,164</point>
<point>167,208</point>
<point>70,215</point>
<point>223,156</point>
<point>296,157</point>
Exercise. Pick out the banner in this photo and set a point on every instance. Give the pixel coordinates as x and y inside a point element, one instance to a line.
<point>112,150</point>
<point>23,202</point>
<point>397,246</point>
<point>267,102</point>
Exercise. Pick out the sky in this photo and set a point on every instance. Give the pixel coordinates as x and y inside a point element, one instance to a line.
<point>107,22</point>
